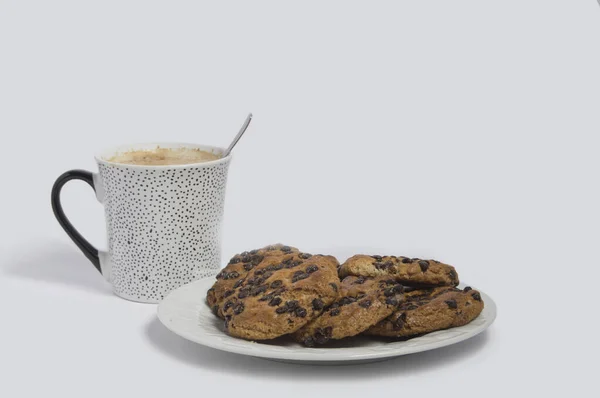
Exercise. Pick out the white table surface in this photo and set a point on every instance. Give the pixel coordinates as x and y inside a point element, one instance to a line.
<point>465,131</point>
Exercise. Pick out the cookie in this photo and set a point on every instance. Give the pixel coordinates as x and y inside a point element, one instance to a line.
<point>407,271</point>
<point>364,302</point>
<point>428,310</point>
<point>280,295</point>
<point>238,268</point>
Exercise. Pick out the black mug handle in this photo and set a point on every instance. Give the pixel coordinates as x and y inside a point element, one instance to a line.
<point>86,247</point>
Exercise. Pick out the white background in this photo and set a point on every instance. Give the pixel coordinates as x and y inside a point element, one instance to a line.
<point>462,130</point>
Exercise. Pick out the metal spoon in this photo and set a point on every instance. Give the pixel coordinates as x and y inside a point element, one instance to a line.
<point>239,135</point>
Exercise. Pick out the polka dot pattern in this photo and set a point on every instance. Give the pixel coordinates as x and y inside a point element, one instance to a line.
<point>163,226</point>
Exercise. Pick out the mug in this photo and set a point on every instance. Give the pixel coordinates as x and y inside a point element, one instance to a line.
<point>163,222</point>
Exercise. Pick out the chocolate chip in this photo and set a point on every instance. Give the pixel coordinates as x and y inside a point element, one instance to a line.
<point>451,303</point>
<point>233,275</point>
<point>275,301</point>
<point>277,267</point>
<point>346,300</point>
<point>300,312</point>
<point>476,296</point>
<point>286,249</point>
<point>256,260</point>
<point>309,341</point>
<point>467,289</point>
<point>228,293</point>
<point>293,264</point>
<point>359,281</point>
<point>259,289</point>
<point>266,298</point>
<point>322,335</point>
<point>292,304</point>
<point>299,276</point>
<point>406,260</point>
<point>412,307</point>
<point>259,272</point>
<point>227,305</point>
<point>305,256</point>
<point>377,265</point>
<point>248,266</point>
<point>267,275</point>
<point>238,284</point>
<point>365,303</point>
<point>234,260</point>
<point>245,259</point>
<point>281,310</point>
<point>238,308</point>
<point>278,291</point>
<point>453,275</point>
<point>318,304</point>
<point>424,264</point>
<point>311,268</point>
<point>334,312</point>
<point>276,284</point>
<point>390,291</point>
<point>243,294</point>
<point>253,251</point>
<point>399,322</point>
<point>378,258</point>
<point>334,286</point>
<point>391,301</point>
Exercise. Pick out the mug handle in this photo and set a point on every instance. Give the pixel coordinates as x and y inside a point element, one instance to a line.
<point>86,247</point>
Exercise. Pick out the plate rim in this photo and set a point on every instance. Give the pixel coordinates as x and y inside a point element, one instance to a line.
<point>310,354</point>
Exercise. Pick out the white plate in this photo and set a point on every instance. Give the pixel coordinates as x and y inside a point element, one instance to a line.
<point>185,312</point>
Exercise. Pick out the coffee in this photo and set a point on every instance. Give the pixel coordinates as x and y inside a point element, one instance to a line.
<point>164,156</point>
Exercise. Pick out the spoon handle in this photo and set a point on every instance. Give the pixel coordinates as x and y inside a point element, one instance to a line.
<point>239,135</point>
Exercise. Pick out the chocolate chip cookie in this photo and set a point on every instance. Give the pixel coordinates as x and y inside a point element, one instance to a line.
<point>364,302</point>
<point>428,310</point>
<point>280,295</point>
<point>407,271</point>
<point>238,268</point>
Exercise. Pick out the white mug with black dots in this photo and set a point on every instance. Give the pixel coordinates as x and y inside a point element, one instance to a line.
<point>163,216</point>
